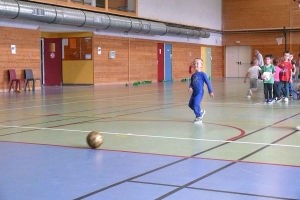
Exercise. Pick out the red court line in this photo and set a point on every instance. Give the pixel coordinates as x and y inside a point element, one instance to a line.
<point>37,116</point>
<point>50,115</point>
<point>235,137</point>
<point>157,154</point>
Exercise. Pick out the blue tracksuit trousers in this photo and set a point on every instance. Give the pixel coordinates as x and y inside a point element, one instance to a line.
<point>195,102</point>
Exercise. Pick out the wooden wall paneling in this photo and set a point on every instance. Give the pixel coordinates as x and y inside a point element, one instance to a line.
<point>27,53</point>
<point>255,14</point>
<point>295,43</point>
<point>275,50</point>
<point>139,54</point>
<point>251,39</point>
<point>295,15</point>
<point>143,60</point>
<point>265,42</point>
<point>138,60</point>
<point>129,61</point>
<point>110,70</point>
<point>217,63</point>
<point>259,15</point>
<point>183,55</point>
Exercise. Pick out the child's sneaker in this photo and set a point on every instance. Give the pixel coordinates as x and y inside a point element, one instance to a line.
<point>278,100</point>
<point>270,101</point>
<point>197,120</point>
<point>266,101</point>
<point>202,113</point>
<point>250,92</point>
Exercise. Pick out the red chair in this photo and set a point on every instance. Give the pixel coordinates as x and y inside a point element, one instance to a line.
<point>13,79</point>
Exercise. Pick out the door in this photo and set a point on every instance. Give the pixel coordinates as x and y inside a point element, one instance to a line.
<point>206,57</point>
<point>238,60</point>
<point>208,62</point>
<point>160,62</point>
<point>245,60</point>
<point>52,71</point>
<point>168,62</point>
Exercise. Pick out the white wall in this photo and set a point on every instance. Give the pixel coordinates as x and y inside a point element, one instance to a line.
<point>199,13</point>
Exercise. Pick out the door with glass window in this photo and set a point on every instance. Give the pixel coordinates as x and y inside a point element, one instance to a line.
<point>52,56</point>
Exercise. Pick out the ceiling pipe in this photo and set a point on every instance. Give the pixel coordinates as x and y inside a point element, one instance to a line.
<point>14,9</point>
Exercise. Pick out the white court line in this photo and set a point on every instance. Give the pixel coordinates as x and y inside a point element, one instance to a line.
<point>122,97</point>
<point>153,136</point>
<point>113,99</point>
<point>83,101</point>
<point>72,97</point>
<point>118,99</point>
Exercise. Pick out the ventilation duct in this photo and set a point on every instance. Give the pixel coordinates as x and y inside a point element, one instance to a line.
<point>157,28</point>
<point>67,16</point>
<point>196,33</point>
<point>202,34</point>
<point>186,32</point>
<point>145,27</point>
<point>136,25</point>
<point>98,20</point>
<point>207,34</point>
<point>119,23</point>
<point>173,30</point>
<point>9,9</point>
<point>36,12</point>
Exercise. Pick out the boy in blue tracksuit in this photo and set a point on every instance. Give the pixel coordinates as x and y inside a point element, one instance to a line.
<point>197,83</point>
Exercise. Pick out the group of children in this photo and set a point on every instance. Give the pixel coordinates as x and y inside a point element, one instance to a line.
<point>277,77</point>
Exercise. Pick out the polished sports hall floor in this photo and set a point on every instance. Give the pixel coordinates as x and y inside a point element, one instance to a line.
<point>244,149</point>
